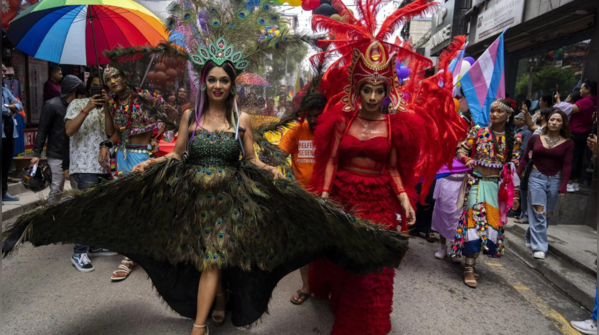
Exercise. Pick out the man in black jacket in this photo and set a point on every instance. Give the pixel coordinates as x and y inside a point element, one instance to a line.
<point>51,127</point>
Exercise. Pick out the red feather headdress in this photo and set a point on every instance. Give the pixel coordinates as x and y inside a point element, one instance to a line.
<point>364,49</point>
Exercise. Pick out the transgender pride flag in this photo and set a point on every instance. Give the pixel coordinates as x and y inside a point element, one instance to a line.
<point>485,82</point>
<point>455,67</point>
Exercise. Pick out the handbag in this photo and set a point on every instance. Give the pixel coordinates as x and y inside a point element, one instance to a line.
<point>529,167</point>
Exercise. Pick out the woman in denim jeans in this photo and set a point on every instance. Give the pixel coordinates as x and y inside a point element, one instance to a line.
<point>552,158</point>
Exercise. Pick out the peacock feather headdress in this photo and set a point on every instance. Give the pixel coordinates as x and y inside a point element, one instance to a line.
<point>218,31</point>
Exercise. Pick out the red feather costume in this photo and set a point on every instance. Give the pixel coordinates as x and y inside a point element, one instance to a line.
<point>412,143</point>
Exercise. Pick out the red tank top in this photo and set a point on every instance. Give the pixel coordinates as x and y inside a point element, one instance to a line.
<point>376,148</point>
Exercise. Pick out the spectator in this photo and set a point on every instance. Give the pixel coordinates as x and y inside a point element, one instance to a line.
<point>522,129</point>
<point>520,211</point>
<point>10,107</point>
<point>182,97</point>
<point>545,102</point>
<point>581,123</point>
<point>52,88</point>
<point>551,153</point>
<point>536,128</point>
<point>566,106</point>
<point>85,125</point>
<point>270,107</point>
<point>158,91</point>
<point>589,326</point>
<point>170,98</point>
<point>52,128</point>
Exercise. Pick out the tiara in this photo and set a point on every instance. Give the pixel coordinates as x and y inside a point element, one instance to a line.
<point>502,106</point>
<point>219,53</point>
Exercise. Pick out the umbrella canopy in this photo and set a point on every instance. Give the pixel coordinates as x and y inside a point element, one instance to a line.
<point>251,79</point>
<point>76,31</point>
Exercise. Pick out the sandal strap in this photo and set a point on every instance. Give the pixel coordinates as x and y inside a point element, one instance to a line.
<point>199,327</point>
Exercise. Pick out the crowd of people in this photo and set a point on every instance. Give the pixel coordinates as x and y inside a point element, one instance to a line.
<point>243,222</point>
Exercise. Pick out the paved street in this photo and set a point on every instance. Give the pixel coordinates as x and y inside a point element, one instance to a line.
<point>43,294</point>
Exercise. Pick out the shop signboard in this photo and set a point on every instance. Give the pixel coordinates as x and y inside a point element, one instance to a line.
<point>38,75</point>
<point>495,19</point>
<point>442,27</point>
<point>29,137</point>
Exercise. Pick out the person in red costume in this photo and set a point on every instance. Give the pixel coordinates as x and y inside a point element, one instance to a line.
<point>373,146</point>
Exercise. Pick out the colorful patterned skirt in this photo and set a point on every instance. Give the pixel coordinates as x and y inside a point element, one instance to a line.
<point>480,228</point>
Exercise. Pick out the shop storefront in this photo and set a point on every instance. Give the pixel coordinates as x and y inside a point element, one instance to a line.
<point>548,48</point>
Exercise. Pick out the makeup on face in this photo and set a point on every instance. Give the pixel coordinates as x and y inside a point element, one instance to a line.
<point>218,84</point>
<point>372,97</point>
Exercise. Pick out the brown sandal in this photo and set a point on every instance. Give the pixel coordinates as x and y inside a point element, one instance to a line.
<point>469,269</point>
<point>302,297</point>
<point>219,317</point>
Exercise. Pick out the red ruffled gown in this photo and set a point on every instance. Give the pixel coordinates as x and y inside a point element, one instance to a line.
<point>362,304</point>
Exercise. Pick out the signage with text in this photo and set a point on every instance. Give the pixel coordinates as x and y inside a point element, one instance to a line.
<point>494,20</point>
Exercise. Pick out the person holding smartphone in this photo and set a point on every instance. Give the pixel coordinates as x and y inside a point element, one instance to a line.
<point>85,126</point>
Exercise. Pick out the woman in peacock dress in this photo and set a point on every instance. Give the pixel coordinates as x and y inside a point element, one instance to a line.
<point>213,226</point>
<point>373,145</point>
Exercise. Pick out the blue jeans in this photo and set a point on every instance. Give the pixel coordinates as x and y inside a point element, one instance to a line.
<point>81,181</point>
<point>542,191</point>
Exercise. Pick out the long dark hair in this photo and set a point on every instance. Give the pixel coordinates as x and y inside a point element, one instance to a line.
<point>88,85</point>
<point>565,131</point>
<point>510,133</point>
<point>230,70</point>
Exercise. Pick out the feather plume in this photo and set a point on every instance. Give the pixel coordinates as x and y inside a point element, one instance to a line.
<point>404,15</point>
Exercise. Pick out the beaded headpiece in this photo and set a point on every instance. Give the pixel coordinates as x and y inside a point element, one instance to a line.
<point>362,44</point>
<point>500,105</point>
<point>219,53</point>
<point>374,66</point>
<point>109,71</point>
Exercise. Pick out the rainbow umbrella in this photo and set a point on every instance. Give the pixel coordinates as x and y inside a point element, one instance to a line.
<point>251,79</point>
<point>76,32</point>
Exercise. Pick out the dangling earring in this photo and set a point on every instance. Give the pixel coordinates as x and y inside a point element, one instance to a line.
<point>202,86</point>
<point>233,91</point>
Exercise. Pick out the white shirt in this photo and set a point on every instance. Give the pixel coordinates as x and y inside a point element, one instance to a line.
<point>85,144</point>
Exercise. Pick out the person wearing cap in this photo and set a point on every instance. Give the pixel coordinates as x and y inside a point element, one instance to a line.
<point>521,128</point>
<point>51,128</point>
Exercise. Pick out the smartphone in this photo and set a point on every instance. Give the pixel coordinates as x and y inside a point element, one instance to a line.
<point>96,91</point>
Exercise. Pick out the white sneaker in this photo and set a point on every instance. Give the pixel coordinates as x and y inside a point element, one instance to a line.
<point>576,187</point>
<point>539,255</point>
<point>588,327</point>
<point>570,188</point>
<point>442,253</point>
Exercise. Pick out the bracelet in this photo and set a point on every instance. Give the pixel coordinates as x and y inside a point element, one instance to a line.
<point>465,160</point>
<point>106,144</point>
<point>85,112</point>
<point>152,161</point>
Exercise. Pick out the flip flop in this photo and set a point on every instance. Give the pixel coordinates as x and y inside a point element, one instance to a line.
<point>301,295</point>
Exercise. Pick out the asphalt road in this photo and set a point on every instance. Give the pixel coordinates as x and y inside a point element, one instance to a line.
<point>43,294</point>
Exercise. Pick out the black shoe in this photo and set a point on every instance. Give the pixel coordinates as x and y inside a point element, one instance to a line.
<point>513,214</point>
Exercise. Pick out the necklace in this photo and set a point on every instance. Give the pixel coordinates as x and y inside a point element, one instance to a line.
<point>552,142</point>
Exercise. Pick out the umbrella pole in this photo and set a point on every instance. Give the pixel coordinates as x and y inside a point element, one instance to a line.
<point>91,20</point>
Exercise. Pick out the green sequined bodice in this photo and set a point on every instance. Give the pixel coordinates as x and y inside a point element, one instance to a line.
<point>218,149</point>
